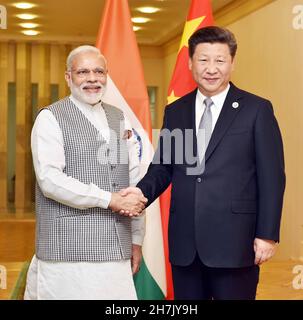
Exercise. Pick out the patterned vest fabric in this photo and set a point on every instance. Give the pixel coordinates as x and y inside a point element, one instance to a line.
<point>64,233</point>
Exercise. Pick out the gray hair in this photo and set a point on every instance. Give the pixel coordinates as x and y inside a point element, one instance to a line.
<point>81,49</point>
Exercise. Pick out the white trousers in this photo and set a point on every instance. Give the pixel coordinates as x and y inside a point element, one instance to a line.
<point>48,280</point>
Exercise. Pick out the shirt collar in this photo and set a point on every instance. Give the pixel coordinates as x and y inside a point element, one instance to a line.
<point>217,99</point>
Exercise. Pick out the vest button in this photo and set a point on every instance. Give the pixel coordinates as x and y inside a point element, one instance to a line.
<point>112,167</point>
<point>115,185</point>
<point>199,180</point>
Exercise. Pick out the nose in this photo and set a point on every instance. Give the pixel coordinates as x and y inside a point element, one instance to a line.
<point>211,67</point>
<point>91,77</point>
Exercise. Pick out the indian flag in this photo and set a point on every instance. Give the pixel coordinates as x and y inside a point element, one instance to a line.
<point>126,90</point>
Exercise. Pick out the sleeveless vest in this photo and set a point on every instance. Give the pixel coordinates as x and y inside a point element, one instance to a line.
<point>64,233</point>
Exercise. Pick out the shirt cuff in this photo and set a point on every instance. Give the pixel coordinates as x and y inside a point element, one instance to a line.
<point>136,239</point>
<point>105,199</point>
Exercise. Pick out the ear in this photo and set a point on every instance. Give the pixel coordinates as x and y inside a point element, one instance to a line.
<point>67,77</point>
<point>233,64</point>
<point>190,64</point>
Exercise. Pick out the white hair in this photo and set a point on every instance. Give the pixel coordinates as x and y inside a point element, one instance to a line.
<point>81,49</point>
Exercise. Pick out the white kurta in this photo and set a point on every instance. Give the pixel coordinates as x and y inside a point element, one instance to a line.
<point>78,280</point>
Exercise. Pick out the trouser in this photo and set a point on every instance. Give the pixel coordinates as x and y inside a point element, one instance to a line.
<point>200,282</point>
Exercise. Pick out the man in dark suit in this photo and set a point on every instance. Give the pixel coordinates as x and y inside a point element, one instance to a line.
<point>225,209</point>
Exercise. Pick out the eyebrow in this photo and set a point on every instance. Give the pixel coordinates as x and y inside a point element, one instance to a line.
<point>97,68</point>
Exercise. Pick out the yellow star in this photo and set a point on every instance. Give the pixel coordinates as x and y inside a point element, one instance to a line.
<point>190,27</point>
<point>172,98</point>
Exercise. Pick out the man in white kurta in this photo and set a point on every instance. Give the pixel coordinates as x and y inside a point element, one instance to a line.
<point>112,279</point>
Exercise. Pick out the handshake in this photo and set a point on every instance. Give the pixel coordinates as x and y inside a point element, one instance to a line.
<point>128,202</point>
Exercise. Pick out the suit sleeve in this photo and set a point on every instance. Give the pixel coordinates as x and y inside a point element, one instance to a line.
<point>270,173</point>
<point>159,173</point>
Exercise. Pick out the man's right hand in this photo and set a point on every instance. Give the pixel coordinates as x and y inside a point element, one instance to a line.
<point>131,204</point>
<point>128,191</point>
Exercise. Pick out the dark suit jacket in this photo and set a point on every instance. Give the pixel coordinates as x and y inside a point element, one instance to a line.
<point>239,195</point>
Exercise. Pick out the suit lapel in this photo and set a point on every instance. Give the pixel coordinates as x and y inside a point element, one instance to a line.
<point>188,114</point>
<point>190,118</point>
<point>185,119</point>
<point>226,117</point>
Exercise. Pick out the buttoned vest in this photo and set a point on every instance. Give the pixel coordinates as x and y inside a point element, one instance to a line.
<point>64,233</point>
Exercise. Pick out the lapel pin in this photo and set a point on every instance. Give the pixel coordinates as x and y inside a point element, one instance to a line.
<point>235,105</point>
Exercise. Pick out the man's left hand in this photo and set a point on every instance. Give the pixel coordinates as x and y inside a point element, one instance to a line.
<point>264,250</point>
<point>136,258</point>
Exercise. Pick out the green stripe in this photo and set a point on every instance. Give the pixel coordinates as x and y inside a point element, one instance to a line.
<point>146,286</point>
<point>19,288</point>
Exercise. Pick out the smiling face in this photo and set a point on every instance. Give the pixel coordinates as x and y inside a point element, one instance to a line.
<point>87,77</point>
<point>211,66</point>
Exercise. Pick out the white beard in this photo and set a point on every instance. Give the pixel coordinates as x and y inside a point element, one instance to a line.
<point>89,98</point>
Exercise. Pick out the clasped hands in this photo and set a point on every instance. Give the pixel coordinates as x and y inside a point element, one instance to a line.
<point>128,202</point>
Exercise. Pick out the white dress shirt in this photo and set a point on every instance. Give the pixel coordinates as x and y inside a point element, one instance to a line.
<point>216,108</point>
<point>78,280</point>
